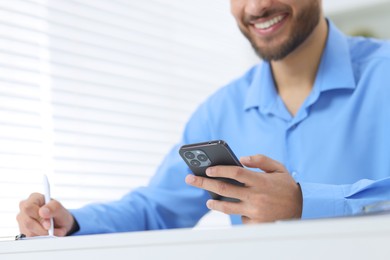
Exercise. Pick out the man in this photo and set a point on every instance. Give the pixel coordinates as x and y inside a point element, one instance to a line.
<point>317,105</point>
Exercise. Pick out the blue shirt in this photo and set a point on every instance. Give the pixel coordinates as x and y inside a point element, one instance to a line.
<point>337,146</point>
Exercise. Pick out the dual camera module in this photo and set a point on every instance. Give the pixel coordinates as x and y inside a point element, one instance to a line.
<point>197,158</point>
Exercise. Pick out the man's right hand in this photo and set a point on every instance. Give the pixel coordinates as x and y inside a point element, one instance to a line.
<point>34,217</point>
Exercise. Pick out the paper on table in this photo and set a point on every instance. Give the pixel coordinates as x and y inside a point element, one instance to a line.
<point>32,238</point>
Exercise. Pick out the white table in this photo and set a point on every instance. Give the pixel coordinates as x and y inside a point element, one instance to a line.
<point>342,238</point>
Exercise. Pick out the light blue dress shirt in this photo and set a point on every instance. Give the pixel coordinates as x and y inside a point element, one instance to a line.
<point>337,146</point>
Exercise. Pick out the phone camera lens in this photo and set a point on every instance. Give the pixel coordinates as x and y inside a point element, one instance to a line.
<point>195,163</point>
<point>202,157</point>
<point>189,155</point>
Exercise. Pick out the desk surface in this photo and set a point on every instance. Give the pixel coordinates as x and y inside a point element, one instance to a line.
<point>343,238</point>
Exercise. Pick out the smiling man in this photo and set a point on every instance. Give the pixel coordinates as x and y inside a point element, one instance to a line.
<point>275,29</point>
<point>286,33</point>
<point>318,105</point>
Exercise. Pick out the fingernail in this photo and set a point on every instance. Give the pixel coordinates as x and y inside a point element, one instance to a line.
<point>190,179</point>
<point>246,158</point>
<point>45,211</point>
<point>209,204</point>
<point>210,171</point>
<point>46,224</point>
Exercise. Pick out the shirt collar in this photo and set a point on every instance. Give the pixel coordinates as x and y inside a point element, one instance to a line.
<point>335,72</point>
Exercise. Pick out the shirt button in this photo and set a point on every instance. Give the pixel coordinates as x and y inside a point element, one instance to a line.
<point>294,174</point>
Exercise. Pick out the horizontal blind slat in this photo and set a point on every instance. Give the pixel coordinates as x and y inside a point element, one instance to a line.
<point>17,89</point>
<point>30,161</point>
<point>21,131</point>
<point>19,75</point>
<point>64,164</point>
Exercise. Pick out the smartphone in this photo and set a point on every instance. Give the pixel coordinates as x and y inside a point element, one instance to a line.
<point>200,156</point>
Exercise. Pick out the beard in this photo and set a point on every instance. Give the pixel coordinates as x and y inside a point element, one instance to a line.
<point>303,25</point>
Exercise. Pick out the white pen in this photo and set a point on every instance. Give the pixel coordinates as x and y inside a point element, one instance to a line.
<point>46,187</point>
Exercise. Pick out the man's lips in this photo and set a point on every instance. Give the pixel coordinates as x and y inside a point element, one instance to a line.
<point>269,24</point>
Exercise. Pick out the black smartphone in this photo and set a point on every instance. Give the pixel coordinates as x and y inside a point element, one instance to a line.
<point>200,156</point>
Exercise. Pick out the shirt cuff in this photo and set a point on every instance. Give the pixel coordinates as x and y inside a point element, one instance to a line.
<point>85,223</point>
<point>323,200</point>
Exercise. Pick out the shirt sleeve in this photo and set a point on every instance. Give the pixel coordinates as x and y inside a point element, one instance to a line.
<point>167,202</point>
<point>325,200</point>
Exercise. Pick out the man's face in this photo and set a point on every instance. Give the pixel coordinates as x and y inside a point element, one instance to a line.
<point>275,28</point>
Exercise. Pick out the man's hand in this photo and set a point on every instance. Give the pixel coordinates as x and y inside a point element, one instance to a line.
<point>266,197</point>
<point>34,217</point>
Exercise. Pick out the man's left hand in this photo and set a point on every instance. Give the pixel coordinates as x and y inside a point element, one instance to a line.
<point>268,196</point>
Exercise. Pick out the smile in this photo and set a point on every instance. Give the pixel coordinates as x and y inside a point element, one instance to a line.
<point>268,24</point>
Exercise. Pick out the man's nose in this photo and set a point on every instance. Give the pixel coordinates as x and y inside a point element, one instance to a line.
<point>256,7</point>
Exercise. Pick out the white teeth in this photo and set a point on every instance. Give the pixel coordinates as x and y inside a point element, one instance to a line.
<point>270,23</point>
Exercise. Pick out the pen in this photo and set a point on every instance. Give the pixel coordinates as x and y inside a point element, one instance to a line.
<point>46,187</point>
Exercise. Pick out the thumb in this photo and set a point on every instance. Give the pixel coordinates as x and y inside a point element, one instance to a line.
<point>62,217</point>
<point>55,210</point>
<point>262,162</point>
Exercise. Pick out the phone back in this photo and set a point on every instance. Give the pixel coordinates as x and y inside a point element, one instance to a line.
<point>200,156</point>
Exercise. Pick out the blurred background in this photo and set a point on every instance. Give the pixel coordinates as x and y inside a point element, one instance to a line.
<point>94,93</point>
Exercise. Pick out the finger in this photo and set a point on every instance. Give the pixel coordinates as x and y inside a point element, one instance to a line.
<point>45,214</point>
<point>226,207</point>
<point>263,163</point>
<point>30,226</point>
<point>31,205</point>
<point>52,209</point>
<point>63,220</point>
<point>219,187</point>
<point>29,209</point>
<point>245,220</point>
<point>248,221</point>
<point>239,174</point>
<point>60,232</point>
<point>37,199</point>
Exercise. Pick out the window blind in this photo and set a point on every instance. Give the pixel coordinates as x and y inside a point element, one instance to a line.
<point>95,93</point>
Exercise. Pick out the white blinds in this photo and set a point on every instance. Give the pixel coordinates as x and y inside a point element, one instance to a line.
<point>94,93</point>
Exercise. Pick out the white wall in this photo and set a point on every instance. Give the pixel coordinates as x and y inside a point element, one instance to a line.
<point>352,17</point>
<point>342,6</point>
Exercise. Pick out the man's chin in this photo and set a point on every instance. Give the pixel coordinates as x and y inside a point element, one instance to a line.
<point>274,54</point>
